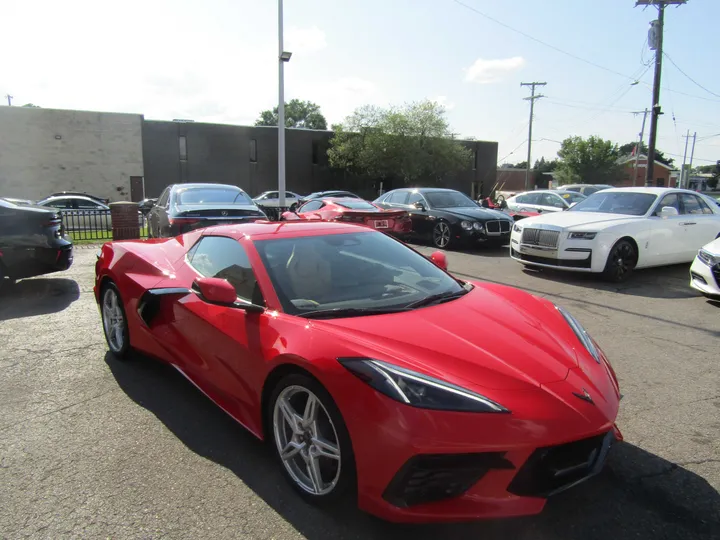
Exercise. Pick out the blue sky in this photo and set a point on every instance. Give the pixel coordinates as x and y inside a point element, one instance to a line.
<point>216,61</point>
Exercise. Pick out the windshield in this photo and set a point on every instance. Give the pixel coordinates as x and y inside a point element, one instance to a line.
<point>356,204</point>
<point>212,196</point>
<point>366,270</point>
<point>631,204</point>
<point>571,196</point>
<point>448,199</point>
<point>6,204</point>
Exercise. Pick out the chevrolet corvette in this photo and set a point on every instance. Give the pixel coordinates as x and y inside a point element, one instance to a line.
<point>370,371</point>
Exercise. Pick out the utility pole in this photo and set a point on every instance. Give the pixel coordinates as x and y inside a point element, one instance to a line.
<point>9,98</point>
<point>682,170</point>
<point>655,39</point>
<point>283,56</point>
<point>692,154</point>
<point>532,99</point>
<point>638,148</point>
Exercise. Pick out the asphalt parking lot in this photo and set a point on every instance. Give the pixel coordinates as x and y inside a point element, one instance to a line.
<point>90,447</point>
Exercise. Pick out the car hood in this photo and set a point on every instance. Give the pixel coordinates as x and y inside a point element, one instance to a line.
<point>494,337</point>
<point>569,219</point>
<point>713,247</point>
<point>478,213</point>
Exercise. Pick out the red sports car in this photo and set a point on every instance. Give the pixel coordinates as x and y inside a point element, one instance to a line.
<point>394,222</point>
<point>368,367</point>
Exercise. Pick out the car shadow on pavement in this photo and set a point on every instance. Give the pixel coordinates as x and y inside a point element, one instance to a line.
<point>667,282</point>
<point>37,296</point>
<point>638,495</point>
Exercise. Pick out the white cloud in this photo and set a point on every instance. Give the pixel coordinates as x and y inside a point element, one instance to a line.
<point>443,102</point>
<point>337,98</point>
<point>304,40</point>
<point>490,71</point>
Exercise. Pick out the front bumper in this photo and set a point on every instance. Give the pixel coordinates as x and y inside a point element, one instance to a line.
<point>492,232</point>
<point>705,279</point>
<point>416,465</point>
<point>571,255</point>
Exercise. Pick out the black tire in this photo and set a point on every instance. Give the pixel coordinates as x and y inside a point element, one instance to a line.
<point>441,236</point>
<point>621,262</point>
<point>345,484</point>
<point>119,345</point>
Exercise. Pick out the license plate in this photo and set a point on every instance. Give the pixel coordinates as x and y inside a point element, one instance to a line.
<point>382,224</point>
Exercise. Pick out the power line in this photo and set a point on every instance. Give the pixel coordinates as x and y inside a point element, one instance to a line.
<point>566,53</point>
<point>688,76</point>
<point>511,153</point>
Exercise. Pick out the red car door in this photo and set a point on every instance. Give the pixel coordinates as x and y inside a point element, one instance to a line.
<point>220,348</point>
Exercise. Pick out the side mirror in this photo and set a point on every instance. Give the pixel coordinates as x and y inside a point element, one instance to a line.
<point>420,206</point>
<point>293,207</point>
<point>439,258</point>
<point>219,291</point>
<point>668,211</point>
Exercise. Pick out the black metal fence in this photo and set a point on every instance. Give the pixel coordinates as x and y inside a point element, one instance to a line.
<point>274,213</point>
<point>93,225</point>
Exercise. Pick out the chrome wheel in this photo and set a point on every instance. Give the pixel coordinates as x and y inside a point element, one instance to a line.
<point>441,235</point>
<point>113,320</point>
<point>307,441</point>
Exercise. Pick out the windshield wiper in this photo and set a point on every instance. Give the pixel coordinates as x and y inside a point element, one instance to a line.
<point>437,298</point>
<point>350,312</point>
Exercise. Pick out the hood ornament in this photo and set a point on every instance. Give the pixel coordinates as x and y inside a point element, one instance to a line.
<point>585,396</point>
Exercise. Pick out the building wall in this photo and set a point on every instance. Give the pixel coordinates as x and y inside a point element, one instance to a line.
<point>224,153</point>
<point>47,150</point>
<point>664,177</point>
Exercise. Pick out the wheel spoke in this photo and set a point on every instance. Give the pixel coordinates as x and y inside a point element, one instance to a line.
<point>310,414</point>
<point>291,417</point>
<point>313,468</point>
<point>291,449</point>
<point>326,449</point>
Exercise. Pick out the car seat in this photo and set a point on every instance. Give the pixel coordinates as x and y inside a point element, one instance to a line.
<point>310,274</point>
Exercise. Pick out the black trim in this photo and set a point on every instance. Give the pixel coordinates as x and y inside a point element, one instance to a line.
<point>568,263</point>
<point>149,305</point>
<point>553,469</point>
<point>436,477</point>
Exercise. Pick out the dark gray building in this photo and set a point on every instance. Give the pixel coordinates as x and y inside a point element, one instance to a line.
<point>246,156</point>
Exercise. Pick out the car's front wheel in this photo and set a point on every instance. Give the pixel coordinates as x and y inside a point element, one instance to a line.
<point>621,261</point>
<point>115,325</point>
<point>311,440</point>
<point>441,235</point>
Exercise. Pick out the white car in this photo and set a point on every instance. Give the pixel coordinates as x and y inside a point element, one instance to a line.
<point>271,199</point>
<point>617,230</point>
<point>705,270</point>
<point>544,200</point>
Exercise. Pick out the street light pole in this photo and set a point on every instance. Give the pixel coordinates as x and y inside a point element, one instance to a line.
<point>281,109</point>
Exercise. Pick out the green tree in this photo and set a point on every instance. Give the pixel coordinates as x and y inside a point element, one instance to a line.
<point>31,106</point>
<point>542,166</point>
<point>412,142</point>
<point>627,149</point>
<point>298,114</point>
<point>590,161</point>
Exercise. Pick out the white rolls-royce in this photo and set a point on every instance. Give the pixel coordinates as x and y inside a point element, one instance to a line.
<point>705,270</point>
<point>617,230</point>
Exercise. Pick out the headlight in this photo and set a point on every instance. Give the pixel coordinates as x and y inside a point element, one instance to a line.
<point>581,334</point>
<point>416,389</point>
<point>467,225</point>
<point>478,226</point>
<point>582,235</point>
<point>708,258</point>
<point>517,228</point>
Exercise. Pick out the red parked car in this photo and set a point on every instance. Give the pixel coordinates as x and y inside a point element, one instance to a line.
<point>370,369</point>
<point>394,222</point>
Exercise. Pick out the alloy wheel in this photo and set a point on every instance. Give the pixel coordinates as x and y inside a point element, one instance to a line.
<point>307,441</point>
<point>441,235</point>
<point>113,320</point>
<point>622,261</point>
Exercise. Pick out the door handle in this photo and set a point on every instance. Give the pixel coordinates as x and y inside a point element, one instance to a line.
<point>689,223</point>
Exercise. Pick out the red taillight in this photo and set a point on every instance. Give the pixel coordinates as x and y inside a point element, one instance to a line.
<point>184,221</point>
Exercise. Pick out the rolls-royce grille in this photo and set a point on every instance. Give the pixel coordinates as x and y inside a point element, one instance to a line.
<point>540,237</point>
<point>497,227</point>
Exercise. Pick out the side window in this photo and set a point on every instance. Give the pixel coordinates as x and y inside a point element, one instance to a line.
<point>532,198</point>
<point>705,208</point>
<point>670,199</point>
<point>225,258</point>
<point>65,204</point>
<point>415,198</point>
<point>274,195</point>
<point>163,200</point>
<point>311,206</point>
<point>398,197</point>
<point>691,204</point>
<point>88,205</point>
